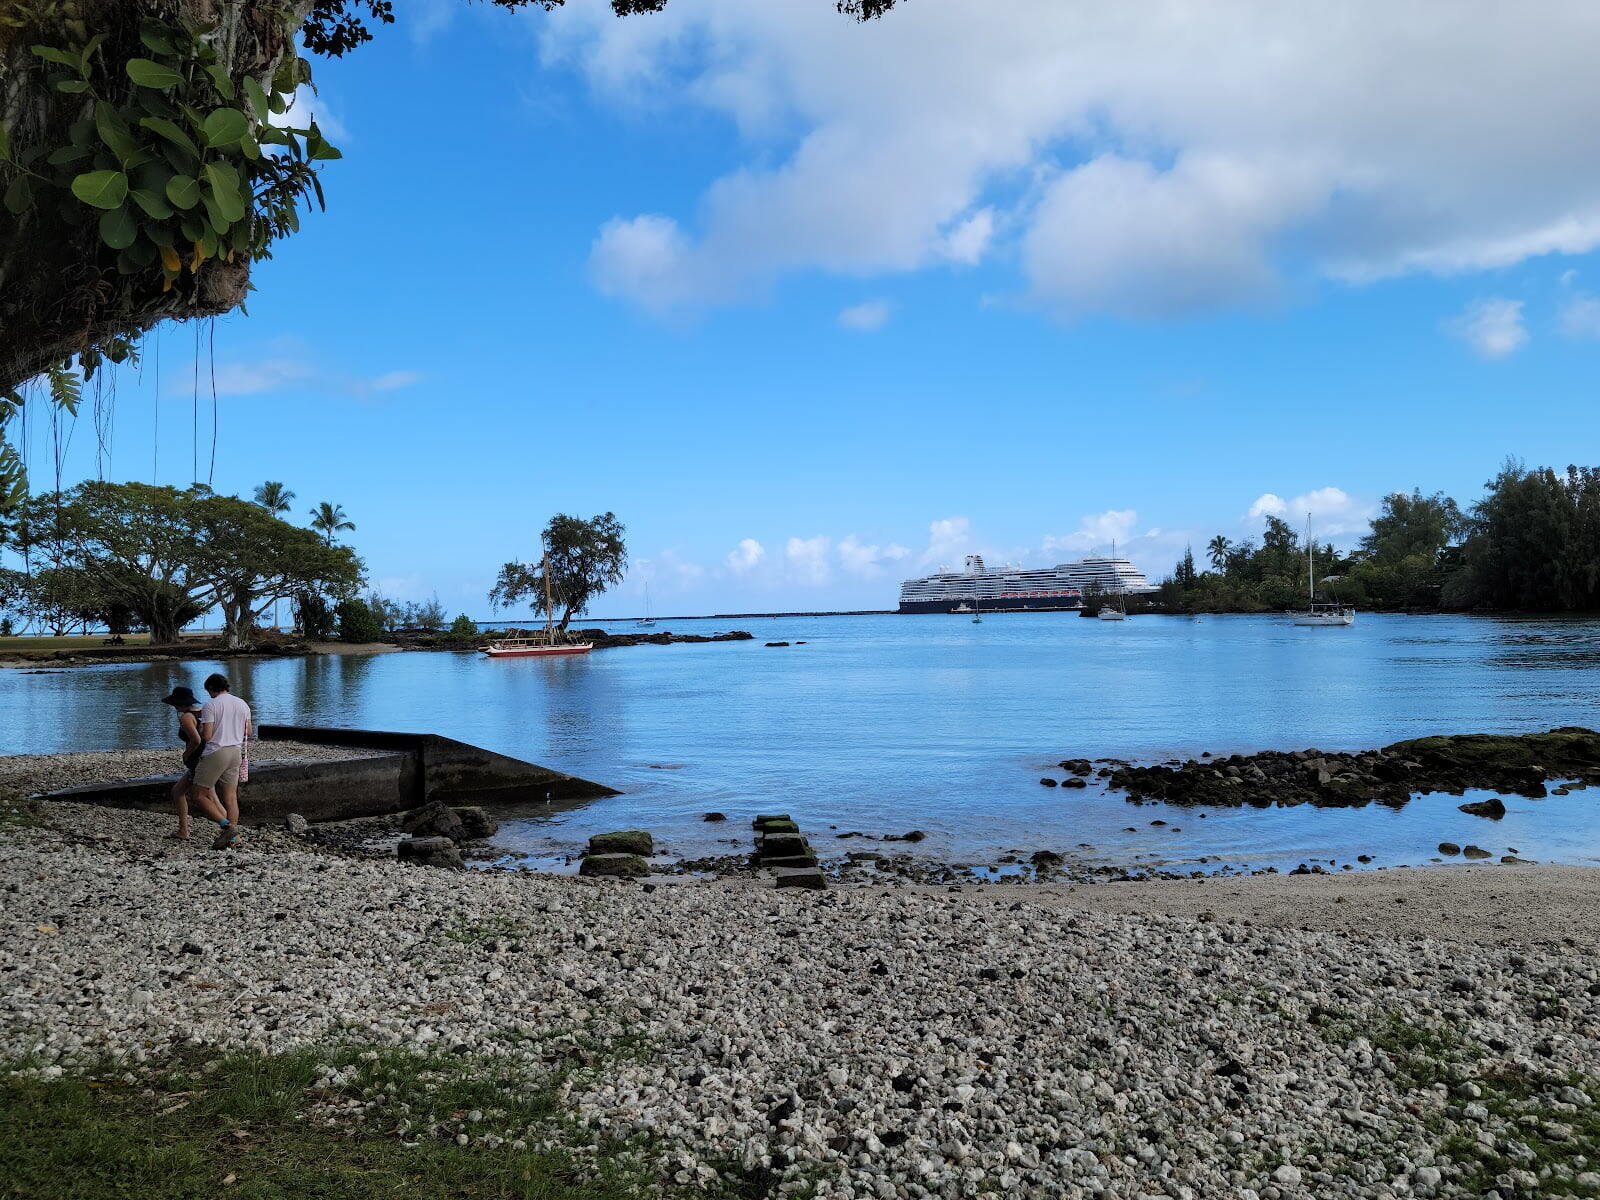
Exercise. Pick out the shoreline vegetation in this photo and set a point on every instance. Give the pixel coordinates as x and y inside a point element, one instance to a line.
<point>376,1027</point>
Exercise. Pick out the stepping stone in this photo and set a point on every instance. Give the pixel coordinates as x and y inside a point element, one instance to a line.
<point>627,841</point>
<point>781,845</point>
<point>790,860</point>
<point>777,827</point>
<point>759,821</point>
<point>619,866</point>
<point>800,877</point>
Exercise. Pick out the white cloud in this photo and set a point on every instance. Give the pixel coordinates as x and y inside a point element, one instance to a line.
<point>1333,511</point>
<point>308,106</point>
<point>1097,532</point>
<point>1151,159</point>
<point>668,572</point>
<point>807,560</point>
<point>1580,315</point>
<point>969,240</point>
<point>949,540</point>
<point>745,556</point>
<point>1492,327</point>
<point>280,373</point>
<point>866,317</point>
<point>1268,504</point>
<point>868,561</point>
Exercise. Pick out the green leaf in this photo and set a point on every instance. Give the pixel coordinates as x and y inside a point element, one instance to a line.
<point>156,37</point>
<point>286,78</point>
<point>193,227</point>
<point>250,148</point>
<point>183,191</point>
<point>116,135</point>
<point>216,219</point>
<point>151,74</point>
<point>65,57</point>
<point>72,86</point>
<point>5,142</point>
<point>153,203</point>
<point>19,195</point>
<point>225,126</point>
<point>223,84</point>
<point>317,146</point>
<point>239,238</point>
<point>257,97</point>
<point>63,155</point>
<point>118,228</point>
<point>101,189</point>
<point>144,252</point>
<point>172,132</point>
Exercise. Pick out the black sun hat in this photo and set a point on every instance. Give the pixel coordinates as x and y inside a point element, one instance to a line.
<point>181,697</point>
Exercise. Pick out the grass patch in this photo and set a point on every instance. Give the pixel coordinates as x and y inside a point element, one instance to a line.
<point>69,642</point>
<point>279,1127</point>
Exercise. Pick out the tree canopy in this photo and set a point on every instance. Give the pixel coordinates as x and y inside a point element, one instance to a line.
<point>167,555</point>
<point>586,557</point>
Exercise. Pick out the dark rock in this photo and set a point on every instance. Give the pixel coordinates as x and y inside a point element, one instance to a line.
<point>777,643</point>
<point>916,835</point>
<point>1074,782</point>
<point>771,818</point>
<point>1475,852</point>
<point>781,845</point>
<point>433,819</point>
<point>801,877</point>
<point>782,1111</point>
<point>619,866</point>
<point>431,852</point>
<point>1048,782</point>
<point>1046,858</point>
<point>476,824</point>
<point>714,816</point>
<point>1449,848</point>
<point>626,841</point>
<point>1494,808</point>
<point>296,825</point>
<point>787,861</point>
<point>991,974</point>
<point>1077,766</point>
<point>904,1083</point>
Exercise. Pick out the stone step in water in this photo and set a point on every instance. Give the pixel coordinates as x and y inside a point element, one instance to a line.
<point>785,855</point>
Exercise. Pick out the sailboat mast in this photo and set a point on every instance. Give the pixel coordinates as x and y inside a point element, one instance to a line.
<point>549,607</point>
<point>1311,566</point>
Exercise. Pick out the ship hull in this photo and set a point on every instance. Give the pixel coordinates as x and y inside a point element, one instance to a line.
<point>1020,604</point>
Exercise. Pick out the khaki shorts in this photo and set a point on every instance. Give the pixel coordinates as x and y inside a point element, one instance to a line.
<point>220,766</point>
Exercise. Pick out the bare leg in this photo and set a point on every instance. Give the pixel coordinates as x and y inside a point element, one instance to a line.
<point>180,797</point>
<point>228,790</point>
<point>205,799</point>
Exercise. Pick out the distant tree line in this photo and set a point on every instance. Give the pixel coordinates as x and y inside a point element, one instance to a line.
<point>1532,543</point>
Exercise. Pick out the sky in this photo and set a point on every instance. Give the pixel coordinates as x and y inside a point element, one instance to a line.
<point>816,306</point>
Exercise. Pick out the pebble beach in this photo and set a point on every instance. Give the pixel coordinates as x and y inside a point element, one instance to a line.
<point>1427,1032</point>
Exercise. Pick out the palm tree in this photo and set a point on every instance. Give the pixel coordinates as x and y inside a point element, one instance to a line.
<point>273,497</point>
<point>329,519</point>
<point>1218,549</point>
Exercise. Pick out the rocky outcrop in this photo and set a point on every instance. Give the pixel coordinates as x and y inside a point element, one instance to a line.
<point>476,824</point>
<point>433,819</point>
<point>431,852</point>
<point>627,841</point>
<point>1520,765</point>
<point>616,866</point>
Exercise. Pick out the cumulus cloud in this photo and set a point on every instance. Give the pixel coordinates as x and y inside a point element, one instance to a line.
<point>1580,316</point>
<point>745,556</point>
<point>949,540</point>
<point>866,317</point>
<point>807,560</point>
<point>1149,161</point>
<point>277,373</point>
<point>868,561</point>
<point>1492,327</point>
<point>1333,510</point>
<point>1096,532</point>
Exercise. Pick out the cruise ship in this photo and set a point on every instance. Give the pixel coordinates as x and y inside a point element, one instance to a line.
<point>1014,589</point>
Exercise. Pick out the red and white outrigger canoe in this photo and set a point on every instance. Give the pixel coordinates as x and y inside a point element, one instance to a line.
<point>550,644</point>
<point>518,648</point>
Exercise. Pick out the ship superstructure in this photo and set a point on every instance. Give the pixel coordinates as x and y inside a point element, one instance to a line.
<point>1016,589</point>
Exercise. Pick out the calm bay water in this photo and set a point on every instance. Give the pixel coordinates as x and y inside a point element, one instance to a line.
<point>887,724</point>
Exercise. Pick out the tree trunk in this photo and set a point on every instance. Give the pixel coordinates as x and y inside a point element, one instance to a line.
<point>60,291</point>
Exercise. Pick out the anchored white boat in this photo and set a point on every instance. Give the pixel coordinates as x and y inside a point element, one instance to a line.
<point>1116,609</point>
<point>1320,614</point>
<point>646,621</point>
<point>554,641</point>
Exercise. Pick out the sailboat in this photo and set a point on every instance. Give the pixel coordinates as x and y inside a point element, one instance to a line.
<point>1114,610</point>
<point>976,619</point>
<point>646,621</point>
<point>554,641</point>
<point>1320,614</point>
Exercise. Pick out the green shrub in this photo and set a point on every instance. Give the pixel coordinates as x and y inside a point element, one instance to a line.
<point>357,622</point>
<point>464,629</point>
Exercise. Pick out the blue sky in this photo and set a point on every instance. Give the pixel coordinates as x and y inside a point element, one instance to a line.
<point>814,307</point>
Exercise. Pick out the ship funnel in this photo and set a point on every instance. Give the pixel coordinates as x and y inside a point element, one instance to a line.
<point>974,564</point>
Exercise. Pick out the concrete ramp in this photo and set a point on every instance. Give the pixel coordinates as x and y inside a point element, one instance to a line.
<point>391,772</point>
